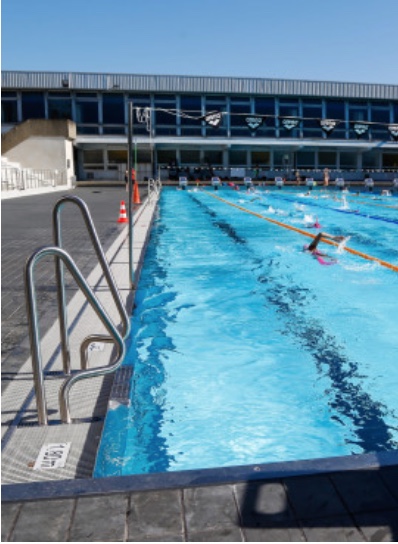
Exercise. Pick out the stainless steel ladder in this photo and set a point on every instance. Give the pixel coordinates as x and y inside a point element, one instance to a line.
<point>63,258</point>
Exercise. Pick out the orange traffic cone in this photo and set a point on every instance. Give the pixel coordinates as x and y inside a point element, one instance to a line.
<point>136,196</point>
<point>122,214</point>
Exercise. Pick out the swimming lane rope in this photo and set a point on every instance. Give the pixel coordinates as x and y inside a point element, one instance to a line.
<point>304,233</point>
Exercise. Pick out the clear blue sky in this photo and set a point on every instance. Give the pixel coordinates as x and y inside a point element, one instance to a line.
<point>334,40</point>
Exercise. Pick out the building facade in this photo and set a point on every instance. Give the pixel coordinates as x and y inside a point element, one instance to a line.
<point>202,126</point>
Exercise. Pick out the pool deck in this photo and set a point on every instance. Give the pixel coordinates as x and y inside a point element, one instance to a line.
<point>342,499</point>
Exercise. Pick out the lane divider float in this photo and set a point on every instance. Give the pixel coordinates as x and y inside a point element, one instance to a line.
<point>304,233</point>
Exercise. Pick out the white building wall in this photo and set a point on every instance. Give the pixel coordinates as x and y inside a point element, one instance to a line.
<point>41,153</point>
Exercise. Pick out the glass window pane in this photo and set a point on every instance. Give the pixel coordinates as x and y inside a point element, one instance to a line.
<point>335,109</point>
<point>93,156</point>
<point>59,109</point>
<point>305,159</point>
<point>165,123</point>
<point>59,94</point>
<point>86,111</point>
<point>380,115</point>
<point>32,106</point>
<point>86,95</point>
<point>214,158</point>
<point>327,159</point>
<point>239,120</point>
<point>166,156</point>
<point>266,106</point>
<point>395,108</point>
<point>9,111</point>
<point>281,159</point>
<point>190,156</point>
<point>370,159</point>
<point>87,130</point>
<point>260,158</point>
<point>348,159</point>
<point>113,130</point>
<point>191,105</point>
<point>390,161</point>
<point>237,158</point>
<point>113,109</point>
<point>117,156</point>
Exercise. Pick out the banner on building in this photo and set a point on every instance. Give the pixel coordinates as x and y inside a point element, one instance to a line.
<point>254,122</point>
<point>393,129</point>
<point>328,125</point>
<point>289,123</point>
<point>360,129</point>
<point>213,118</point>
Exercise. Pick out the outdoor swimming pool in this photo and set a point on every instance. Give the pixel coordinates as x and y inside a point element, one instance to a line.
<point>245,348</point>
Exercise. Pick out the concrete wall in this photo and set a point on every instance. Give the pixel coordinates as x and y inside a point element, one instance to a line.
<point>42,153</point>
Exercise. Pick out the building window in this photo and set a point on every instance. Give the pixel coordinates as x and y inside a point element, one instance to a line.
<point>358,111</point>
<point>305,159</point>
<point>288,108</point>
<point>117,158</point>
<point>395,110</point>
<point>261,159</point>
<point>312,113</point>
<point>379,114</point>
<point>9,107</point>
<point>165,123</point>
<point>190,157</point>
<point>166,157</point>
<point>192,106</point>
<point>335,109</point>
<point>33,106</point>
<point>113,109</point>
<point>282,159</point>
<point>237,158</point>
<point>327,159</point>
<point>93,159</point>
<point>370,160</point>
<point>59,107</point>
<point>213,158</point>
<point>348,160</point>
<point>86,111</point>
<point>266,107</point>
<point>390,161</point>
<point>239,110</point>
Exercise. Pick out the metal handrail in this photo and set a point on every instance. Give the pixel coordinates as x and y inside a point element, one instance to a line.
<point>60,275</point>
<point>31,302</point>
<point>154,186</point>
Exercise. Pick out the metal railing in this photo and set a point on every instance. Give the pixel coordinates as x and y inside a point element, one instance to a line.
<point>31,301</point>
<point>56,218</point>
<point>154,187</point>
<point>27,178</point>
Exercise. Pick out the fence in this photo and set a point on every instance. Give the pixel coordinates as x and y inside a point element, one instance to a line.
<point>27,178</point>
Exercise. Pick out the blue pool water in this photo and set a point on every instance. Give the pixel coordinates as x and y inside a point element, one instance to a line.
<point>245,349</point>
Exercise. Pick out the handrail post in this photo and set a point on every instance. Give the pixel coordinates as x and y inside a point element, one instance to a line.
<point>33,326</point>
<point>130,192</point>
<point>91,298</point>
<point>60,275</point>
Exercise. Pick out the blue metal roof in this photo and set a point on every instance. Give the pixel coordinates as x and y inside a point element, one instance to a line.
<point>195,84</point>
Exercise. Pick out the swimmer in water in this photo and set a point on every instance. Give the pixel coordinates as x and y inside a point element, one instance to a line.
<point>312,248</point>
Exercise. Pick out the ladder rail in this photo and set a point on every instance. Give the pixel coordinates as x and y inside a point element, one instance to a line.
<point>33,325</point>
<point>59,271</point>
